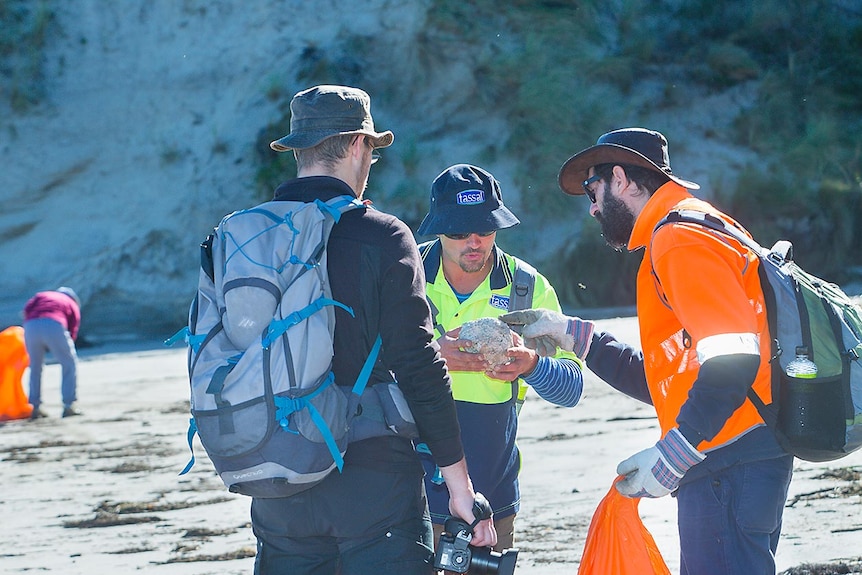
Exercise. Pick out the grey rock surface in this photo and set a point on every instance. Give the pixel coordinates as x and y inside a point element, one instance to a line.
<point>490,337</point>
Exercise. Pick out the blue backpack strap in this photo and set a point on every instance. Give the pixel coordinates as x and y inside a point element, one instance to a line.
<point>182,334</point>
<point>338,205</point>
<point>437,478</point>
<point>279,326</point>
<point>286,406</point>
<point>194,341</point>
<point>363,378</point>
<point>193,429</point>
<point>365,373</point>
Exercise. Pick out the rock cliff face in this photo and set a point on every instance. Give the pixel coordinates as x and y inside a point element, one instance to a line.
<point>146,135</point>
<point>154,116</point>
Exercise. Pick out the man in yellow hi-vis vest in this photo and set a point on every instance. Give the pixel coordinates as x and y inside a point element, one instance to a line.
<point>469,277</point>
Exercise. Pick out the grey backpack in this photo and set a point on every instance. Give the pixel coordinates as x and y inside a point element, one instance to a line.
<point>263,398</point>
<point>817,418</point>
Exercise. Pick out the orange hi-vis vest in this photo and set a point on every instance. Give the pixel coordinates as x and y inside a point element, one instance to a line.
<point>694,284</point>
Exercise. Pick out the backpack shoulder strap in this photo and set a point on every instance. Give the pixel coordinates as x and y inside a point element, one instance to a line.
<point>712,222</point>
<point>708,221</point>
<point>783,251</point>
<point>431,264</point>
<point>338,205</point>
<point>521,297</point>
<point>523,286</point>
<point>207,256</point>
<point>428,251</point>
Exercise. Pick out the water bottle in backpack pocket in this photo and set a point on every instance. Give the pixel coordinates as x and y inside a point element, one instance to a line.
<point>810,414</point>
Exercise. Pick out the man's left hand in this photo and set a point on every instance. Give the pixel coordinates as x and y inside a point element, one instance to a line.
<point>522,361</point>
<point>657,471</point>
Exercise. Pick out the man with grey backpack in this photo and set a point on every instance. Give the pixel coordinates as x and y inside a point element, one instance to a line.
<point>371,516</point>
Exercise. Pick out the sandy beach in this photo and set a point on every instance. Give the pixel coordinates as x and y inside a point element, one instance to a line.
<point>100,492</point>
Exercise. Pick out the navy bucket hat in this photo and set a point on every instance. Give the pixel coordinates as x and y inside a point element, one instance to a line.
<point>466,199</point>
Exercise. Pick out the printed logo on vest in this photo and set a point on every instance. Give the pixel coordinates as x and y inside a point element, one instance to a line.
<point>499,302</point>
<point>470,197</point>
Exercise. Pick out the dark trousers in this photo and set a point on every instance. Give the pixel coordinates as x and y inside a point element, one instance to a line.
<point>359,522</point>
<point>730,521</point>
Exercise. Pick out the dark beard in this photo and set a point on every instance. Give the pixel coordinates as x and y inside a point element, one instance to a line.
<point>616,220</point>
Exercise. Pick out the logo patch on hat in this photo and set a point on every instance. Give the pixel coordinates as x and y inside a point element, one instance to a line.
<point>470,197</point>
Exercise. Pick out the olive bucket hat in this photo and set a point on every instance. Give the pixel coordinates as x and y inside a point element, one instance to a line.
<point>634,146</point>
<point>466,199</point>
<point>324,111</point>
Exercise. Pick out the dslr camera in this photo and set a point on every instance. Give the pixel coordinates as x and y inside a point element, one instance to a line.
<point>454,552</point>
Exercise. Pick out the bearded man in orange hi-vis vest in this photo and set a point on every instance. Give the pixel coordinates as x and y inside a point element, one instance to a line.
<point>705,343</point>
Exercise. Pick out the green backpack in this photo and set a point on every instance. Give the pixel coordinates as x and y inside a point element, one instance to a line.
<point>815,418</point>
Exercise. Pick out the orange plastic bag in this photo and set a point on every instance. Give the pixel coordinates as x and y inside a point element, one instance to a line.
<point>618,543</point>
<point>13,361</point>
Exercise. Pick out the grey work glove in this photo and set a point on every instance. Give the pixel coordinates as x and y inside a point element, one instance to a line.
<point>546,330</point>
<point>657,471</point>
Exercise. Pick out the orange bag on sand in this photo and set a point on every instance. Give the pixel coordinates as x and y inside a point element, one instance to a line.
<point>618,543</point>
<point>13,361</point>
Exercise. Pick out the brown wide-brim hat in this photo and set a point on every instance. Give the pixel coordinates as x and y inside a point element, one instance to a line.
<point>633,146</point>
<point>325,111</point>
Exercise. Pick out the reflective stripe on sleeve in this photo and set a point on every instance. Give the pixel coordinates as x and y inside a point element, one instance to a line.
<point>727,344</point>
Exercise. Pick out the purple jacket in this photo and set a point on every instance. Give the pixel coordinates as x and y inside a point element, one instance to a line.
<point>57,306</point>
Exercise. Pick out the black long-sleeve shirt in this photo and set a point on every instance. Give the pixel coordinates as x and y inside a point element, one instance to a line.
<point>375,269</point>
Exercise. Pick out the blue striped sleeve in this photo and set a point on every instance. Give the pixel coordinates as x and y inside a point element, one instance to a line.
<point>559,381</point>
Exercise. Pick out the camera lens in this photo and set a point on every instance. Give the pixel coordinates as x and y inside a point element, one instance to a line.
<point>488,562</point>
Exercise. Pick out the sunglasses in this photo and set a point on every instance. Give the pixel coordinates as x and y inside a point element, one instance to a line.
<point>587,183</point>
<point>465,236</point>
<point>375,155</point>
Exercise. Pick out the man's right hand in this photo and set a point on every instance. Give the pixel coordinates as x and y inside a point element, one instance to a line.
<point>461,501</point>
<point>545,330</point>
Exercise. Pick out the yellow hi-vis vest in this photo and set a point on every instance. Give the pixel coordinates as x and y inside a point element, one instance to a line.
<point>490,299</point>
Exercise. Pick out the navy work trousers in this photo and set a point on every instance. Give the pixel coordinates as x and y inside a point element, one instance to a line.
<point>730,521</point>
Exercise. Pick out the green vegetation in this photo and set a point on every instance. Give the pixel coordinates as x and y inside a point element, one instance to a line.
<point>24,26</point>
<point>805,123</point>
<point>273,167</point>
<point>583,68</point>
<point>564,72</point>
